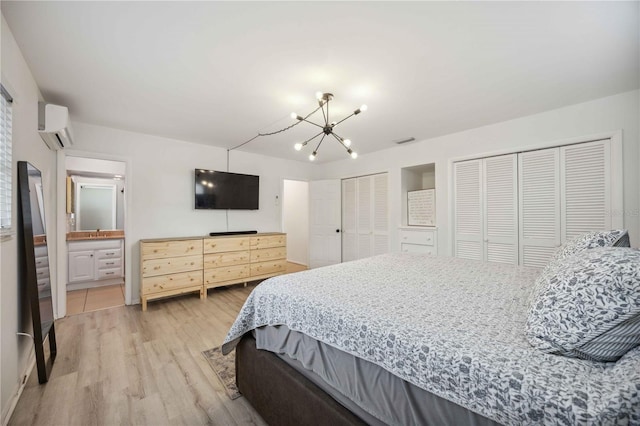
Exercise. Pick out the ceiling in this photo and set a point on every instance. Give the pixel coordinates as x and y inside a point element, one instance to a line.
<point>220,72</point>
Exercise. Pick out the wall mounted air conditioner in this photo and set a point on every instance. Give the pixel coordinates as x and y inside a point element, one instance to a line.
<point>54,126</point>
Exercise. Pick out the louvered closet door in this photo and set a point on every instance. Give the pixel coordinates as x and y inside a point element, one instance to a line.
<point>468,209</point>
<point>380,213</point>
<point>364,187</point>
<point>585,188</point>
<point>500,196</point>
<point>349,220</point>
<point>539,205</point>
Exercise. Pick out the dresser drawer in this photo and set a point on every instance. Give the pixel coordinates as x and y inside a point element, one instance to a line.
<point>173,265</point>
<point>171,282</point>
<point>42,261</point>
<point>222,244</point>
<point>110,263</point>
<point>42,273</point>
<point>109,254</point>
<point>228,273</point>
<point>417,248</point>
<point>162,249</point>
<point>417,237</point>
<point>265,268</point>
<point>268,241</point>
<point>44,283</point>
<point>217,260</point>
<point>109,273</point>
<point>263,255</point>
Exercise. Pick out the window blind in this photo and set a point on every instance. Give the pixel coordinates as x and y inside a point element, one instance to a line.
<point>5,161</point>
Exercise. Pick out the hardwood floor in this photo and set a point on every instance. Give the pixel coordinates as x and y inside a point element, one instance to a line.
<point>123,366</point>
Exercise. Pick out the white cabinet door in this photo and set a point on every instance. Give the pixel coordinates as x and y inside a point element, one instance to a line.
<point>500,209</point>
<point>380,214</point>
<point>539,174</point>
<point>468,219</point>
<point>521,212</point>
<point>365,216</point>
<point>365,231</point>
<point>585,188</point>
<point>81,266</point>
<point>349,220</point>
<point>486,209</point>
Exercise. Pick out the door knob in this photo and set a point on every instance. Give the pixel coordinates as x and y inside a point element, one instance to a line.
<point>337,230</point>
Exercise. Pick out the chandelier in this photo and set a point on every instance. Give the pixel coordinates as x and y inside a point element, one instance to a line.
<point>327,127</point>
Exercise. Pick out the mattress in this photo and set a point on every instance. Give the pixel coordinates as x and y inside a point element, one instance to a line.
<point>451,327</point>
<point>367,390</point>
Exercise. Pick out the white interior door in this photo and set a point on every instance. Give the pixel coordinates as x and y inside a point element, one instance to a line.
<point>324,223</point>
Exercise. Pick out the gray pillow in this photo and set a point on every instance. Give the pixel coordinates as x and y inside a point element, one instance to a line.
<point>590,240</point>
<point>613,238</point>
<point>589,306</point>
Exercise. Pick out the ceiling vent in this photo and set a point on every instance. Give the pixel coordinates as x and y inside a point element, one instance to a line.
<point>406,140</point>
<point>53,126</point>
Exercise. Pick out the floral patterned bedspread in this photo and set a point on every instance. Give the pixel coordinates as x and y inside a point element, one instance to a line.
<point>452,327</point>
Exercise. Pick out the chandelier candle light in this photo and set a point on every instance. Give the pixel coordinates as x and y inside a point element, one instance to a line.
<point>327,128</point>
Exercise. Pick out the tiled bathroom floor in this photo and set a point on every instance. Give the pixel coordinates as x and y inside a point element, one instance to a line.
<point>93,299</point>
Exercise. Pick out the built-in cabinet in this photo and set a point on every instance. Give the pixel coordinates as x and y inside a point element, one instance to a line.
<point>365,216</point>
<point>519,208</point>
<point>176,266</point>
<point>418,240</point>
<point>94,263</point>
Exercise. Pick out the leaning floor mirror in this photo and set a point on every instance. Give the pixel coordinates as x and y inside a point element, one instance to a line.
<point>34,264</point>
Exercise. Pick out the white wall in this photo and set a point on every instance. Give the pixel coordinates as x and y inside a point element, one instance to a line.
<point>618,112</point>
<point>160,186</point>
<point>295,220</point>
<point>27,146</point>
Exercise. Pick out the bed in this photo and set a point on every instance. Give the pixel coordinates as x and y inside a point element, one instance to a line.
<point>413,339</point>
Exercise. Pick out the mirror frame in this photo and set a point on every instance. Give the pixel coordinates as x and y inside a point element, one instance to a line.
<point>29,278</point>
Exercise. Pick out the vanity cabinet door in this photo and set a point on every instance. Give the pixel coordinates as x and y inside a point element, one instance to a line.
<point>81,266</point>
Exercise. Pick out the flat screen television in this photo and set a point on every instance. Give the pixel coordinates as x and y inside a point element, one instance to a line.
<point>224,190</point>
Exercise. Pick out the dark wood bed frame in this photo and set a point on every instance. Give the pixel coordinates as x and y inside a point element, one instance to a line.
<point>281,395</point>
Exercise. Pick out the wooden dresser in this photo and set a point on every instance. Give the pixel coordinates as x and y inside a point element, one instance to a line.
<point>170,267</point>
<point>238,259</point>
<point>181,265</point>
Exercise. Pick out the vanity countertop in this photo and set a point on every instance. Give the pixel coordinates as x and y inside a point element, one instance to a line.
<point>95,235</point>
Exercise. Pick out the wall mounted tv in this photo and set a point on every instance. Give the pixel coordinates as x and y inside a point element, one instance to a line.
<point>224,190</point>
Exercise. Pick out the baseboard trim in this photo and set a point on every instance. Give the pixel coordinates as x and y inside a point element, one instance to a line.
<point>297,263</point>
<point>13,402</point>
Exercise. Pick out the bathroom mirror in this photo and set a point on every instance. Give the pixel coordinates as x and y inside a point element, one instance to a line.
<point>96,206</point>
<point>34,264</point>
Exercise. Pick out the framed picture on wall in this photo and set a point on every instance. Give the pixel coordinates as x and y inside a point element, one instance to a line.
<point>421,207</point>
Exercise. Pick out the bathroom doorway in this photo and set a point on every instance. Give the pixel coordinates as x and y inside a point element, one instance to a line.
<point>95,207</point>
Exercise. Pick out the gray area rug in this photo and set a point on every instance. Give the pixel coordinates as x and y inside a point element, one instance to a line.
<point>225,369</point>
